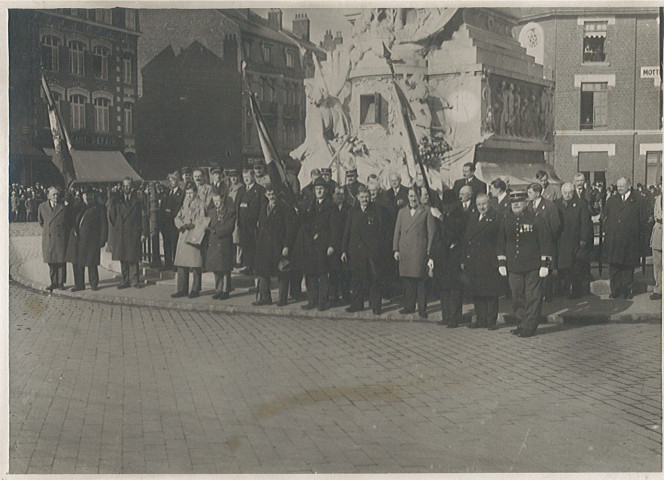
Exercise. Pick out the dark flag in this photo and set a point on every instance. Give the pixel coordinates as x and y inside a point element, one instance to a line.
<point>61,141</point>
<point>275,167</point>
<point>408,117</point>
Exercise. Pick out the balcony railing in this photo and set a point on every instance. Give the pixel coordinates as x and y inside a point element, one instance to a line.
<point>589,57</point>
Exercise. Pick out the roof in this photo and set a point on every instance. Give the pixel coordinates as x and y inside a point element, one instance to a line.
<point>99,166</point>
<point>160,61</point>
<point>533,13</point>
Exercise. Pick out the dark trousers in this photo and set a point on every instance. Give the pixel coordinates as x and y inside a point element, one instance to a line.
<point>339,285</point>
<point>79,275</point>
<point>621,278</point>
<point>170,239</point>
<point>391,282</point>
<point>248,244</point>
<point>451,305</point>
<point>222,282</point>
<point>183,279</point>
<point>58,273</point>
<point>486,309</point>
<point>295,283</point>
<point>130,273</point>
<point>317,289</point>
<point>527,295</point>
<point>414,289</point>
<point>572,280</point>
<point>358,287</point>
<point>264,287</point>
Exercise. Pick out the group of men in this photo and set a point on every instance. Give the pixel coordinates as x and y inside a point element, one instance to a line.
<point>339,238</point>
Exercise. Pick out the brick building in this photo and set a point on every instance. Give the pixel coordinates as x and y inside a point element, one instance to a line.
<point>89,61</point>
<point>605,64</point>
<point>278,61</point>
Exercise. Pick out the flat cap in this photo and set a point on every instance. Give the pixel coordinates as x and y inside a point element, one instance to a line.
<point>326,170</point>
<point>232,172</point>
<point>518,196</point>
<point>352,172</point>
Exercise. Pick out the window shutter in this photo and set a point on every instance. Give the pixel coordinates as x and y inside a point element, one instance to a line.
<point>90,118</point>
<point>63,53</point>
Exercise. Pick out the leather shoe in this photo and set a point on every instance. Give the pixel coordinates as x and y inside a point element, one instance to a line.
<point>194,294</point>
<point>224,295</point>
<point>656,296</point>
<point>281,303</point>
<point>492,327</point>
<point>178,294</point>
<point>61,286</point>
<point>406,311</point>
<point>260,303</point>
<point>423,315</point>
<point>352,309</point>
<point>50,288</point>
<point>77,289</point>
<point>452,325</point>
<point>137,285</point>
<point>308,306</point>
<point>526,334</point>
<point>614,295</point>
<point>628,295</point>
<point>216,296</point>
<point>376,311</point>
<point>122,286</point>
<point>441,322</point>
<point>94,289</point>
<point>322,308</point>
<point>515,331</point>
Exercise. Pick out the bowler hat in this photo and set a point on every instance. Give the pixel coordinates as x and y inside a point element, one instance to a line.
<point>320,182</point>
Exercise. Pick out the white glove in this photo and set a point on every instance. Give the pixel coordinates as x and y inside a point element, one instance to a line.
<point>430,264</point>
<point>435,212</point>
<point>544,271</point>
<point>284,252</point>
<point>344,257</point>
<point>502,271</point>
<point>396,256</point>
<point>330,251</point>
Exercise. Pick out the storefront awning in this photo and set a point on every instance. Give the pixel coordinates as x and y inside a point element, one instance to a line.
<point>99,166</point>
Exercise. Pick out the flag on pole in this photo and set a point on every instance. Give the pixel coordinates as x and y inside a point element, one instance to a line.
<point>408,118</point>
<point>275,167</point>
<point>61,140</point>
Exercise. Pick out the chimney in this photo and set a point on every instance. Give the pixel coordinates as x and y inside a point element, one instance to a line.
<point>338,40</point>
<point>274,18</point>
<point>301,26</point>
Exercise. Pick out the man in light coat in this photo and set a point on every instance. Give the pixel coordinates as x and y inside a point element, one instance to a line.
<point>54,219</point>
<point>656,246</point>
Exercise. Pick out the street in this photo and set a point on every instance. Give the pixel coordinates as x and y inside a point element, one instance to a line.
<point>101,388</point>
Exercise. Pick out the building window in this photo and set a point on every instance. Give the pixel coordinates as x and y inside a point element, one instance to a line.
<point>77,112</point>
<point>290,59</point>
<point>594,105</point>
<point>653,168</point>
<point>50,59</point>
<point>127,69</point>
<point>130,19</point>
<point>103,15</point>
<point>100,62</point>
<point>246,46</point>
<point>267,52</point>
<point>101,114</point>
<point>594,36</point>
<point>593,165</point>
<point>129,117</point>
<point>370,108</point>
<point>77,57</point>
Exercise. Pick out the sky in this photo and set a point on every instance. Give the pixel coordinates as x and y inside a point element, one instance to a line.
<point>321,19</point>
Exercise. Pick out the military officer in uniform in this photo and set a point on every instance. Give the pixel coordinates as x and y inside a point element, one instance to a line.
<point>546,209</point>
<point>54,219</point>
<point>352,186</point>
<point>524,250</point>
<point>326,174</point>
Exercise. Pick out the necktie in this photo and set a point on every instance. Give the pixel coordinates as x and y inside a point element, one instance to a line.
<point>126,198</point>
<point>481,217</point>
<point>623,198</point>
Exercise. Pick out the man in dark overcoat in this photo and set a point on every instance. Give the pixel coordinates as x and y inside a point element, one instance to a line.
<point>574,241</point>
<point>272,245</point>
<point>339,278</point>
<point>481,263</point>
<point>469,179</point>
<point>366,227</point>
<point>625,224</point>
<point>219,252</point>
<point>89,233</point>
<point>54,218</point>
<point>168,209</point>
<point>500,200</point>
<point>318,247</point>
<point>326,174</point>
<point>392,200</point>
<point>131,229</point>
<point>524,251</point>
<point>250,201</point>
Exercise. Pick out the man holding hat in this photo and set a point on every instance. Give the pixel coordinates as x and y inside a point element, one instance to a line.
<point>524,253</point>
<point>168,208</point>
<point>352,186</point>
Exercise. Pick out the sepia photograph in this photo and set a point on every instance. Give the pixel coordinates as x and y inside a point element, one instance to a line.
<point>307,239</point>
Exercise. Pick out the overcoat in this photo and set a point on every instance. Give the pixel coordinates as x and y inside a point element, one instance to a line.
<point>55,224</point>
<point>480,260</point>
<point>89,231</point>
<point>273,236</point>
<point>413,239</point>
<point>576,226</point>
<point>625,225</point>
<point>317,236</point>
<point>363,231</point>
<point>204,193</point>
<point>339,216</point>
<point>188,255</point>
<point>219,254</point>
<point>656,235</point>
<point>249,206</point>
<point>447,249</point>
<point>169,207</point>
<point>129,223</point>
<point>551,215</point>
<point>232,194</point>
<point>475,183</point>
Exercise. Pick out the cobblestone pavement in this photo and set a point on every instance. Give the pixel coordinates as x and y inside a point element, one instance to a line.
<point>100,388</point>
